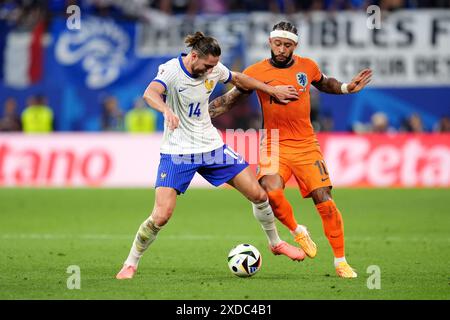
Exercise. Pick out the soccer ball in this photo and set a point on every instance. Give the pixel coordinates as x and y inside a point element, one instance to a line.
<point>244,260</point>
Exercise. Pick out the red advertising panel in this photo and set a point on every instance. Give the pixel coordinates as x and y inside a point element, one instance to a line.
<point>405,160</point>
<point>122,160</point>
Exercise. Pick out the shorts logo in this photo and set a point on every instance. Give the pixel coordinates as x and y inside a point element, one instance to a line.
<point>163,175</point>
<point>302,79</point>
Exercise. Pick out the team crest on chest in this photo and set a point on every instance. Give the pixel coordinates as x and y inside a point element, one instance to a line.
<point>302,79</point>
<point>209,85</point>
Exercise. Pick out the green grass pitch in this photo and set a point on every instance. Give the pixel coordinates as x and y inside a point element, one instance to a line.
<point>405,232</point>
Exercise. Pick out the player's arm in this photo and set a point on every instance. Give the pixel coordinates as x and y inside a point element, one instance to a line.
<point>153,97</point>
<point>332,85</point>
<point>281,93</point>
<point>227,101</point>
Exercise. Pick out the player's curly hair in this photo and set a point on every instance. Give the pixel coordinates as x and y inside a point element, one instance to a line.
<point>203,45</point>
<point>286,26</point>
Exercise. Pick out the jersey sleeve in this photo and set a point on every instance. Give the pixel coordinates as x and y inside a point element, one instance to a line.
<point>316,73</point>
<point>224,73</point>
<point>166,76</point>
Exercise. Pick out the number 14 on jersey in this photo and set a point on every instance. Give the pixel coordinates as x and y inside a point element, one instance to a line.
<point>194,110</point>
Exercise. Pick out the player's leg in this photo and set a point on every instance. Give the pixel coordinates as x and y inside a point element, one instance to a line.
<point>315,182</point>
<point>165,200</point>
<point>333,227</point>
<point>173,177</point>
<point>245,182</point>
<point>274,186</point>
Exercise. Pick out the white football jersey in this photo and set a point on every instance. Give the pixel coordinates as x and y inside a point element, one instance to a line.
<point>188,97</point>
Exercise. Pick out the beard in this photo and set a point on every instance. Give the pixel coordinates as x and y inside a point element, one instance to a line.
<point>278,63</point>
<point>197,73</point>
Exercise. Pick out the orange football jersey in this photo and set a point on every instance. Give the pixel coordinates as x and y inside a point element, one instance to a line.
<point>296,134</point>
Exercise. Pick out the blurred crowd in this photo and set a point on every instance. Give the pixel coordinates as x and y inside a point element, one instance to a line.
<point>25,13</point>
<point>379,123</point>
<point>37,117</point>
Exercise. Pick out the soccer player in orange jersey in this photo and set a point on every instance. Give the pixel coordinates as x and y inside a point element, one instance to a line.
<point>297,152</point>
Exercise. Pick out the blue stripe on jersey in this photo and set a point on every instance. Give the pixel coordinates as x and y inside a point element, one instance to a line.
<point>162,82</point>
<point>183,67</point>
<point>229,77</point>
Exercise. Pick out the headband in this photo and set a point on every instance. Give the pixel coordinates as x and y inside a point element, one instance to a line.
<point>284,34</point>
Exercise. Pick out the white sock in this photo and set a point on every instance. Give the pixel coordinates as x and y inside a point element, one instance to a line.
<point>299,229</point>
<point>337,260</point>
<point>144,237</point>
<point>264,214</point>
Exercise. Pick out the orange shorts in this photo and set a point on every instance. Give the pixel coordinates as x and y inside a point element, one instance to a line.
<point>308,168</point>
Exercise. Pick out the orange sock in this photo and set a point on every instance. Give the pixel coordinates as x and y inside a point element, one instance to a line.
<point>333,226</point>
<point>282,208</point>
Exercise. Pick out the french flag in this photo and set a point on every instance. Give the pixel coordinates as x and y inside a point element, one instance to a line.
<point>23,57</point>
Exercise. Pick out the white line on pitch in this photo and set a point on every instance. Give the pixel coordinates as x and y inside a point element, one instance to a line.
<point>193,237</point>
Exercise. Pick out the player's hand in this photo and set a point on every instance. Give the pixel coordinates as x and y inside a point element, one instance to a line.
<point>171,119</point>
<point>360,81</point>
<point>285,94</point>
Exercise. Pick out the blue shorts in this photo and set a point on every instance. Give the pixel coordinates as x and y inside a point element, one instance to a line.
<point>217,167</point>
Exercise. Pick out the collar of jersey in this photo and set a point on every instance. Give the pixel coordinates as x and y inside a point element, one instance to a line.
<point>183,67</point>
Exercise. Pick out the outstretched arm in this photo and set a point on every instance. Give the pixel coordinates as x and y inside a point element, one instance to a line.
<point>225,102</point>
<point>244,85</point>
<point>283,94</point>
<point>331,85</point>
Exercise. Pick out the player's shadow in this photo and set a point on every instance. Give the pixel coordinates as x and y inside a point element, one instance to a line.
<point>227,276</point>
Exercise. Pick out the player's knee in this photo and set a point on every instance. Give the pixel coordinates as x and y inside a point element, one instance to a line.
<point>257,195</point>
<point>270,184</point>
<point>321,195</point>
<point>265,185</point>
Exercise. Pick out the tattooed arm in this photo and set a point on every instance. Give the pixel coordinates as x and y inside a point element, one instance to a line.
<point>227,101</point>
<point>331,85</point>
<point>328,85</point>
<point>283,93</point>
<point>244,86</point>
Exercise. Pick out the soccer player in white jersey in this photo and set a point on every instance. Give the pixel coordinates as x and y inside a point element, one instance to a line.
<point>191,144</point>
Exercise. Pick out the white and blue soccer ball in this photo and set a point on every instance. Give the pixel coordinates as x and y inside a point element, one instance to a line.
<point>244,260</point>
